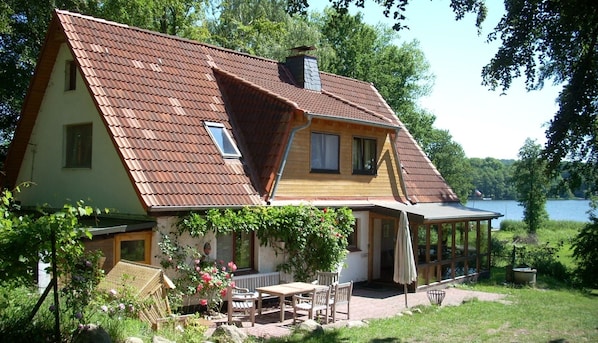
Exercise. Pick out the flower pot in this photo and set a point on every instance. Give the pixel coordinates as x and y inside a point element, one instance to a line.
<point>524,276</point>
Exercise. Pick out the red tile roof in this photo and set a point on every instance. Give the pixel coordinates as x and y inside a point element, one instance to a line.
<point>154,93</point>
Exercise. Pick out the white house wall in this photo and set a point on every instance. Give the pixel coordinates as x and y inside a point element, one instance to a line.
<point>43,161</point>
<point>355,267</point>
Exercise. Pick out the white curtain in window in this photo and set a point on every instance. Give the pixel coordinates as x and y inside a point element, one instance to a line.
<point>324,151</point>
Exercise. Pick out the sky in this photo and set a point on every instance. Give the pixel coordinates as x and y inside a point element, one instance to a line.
<point>485,123</point>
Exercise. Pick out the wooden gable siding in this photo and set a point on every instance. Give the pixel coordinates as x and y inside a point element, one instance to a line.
<point>298,182</point>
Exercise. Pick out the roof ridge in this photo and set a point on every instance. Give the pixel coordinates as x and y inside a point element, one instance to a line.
<point>174,37</point>
<point>350,103</point>
<point>346,77</point>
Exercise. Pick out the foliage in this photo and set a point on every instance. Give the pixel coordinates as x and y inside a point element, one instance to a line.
<point>313,239</point>
<point>17,302</point>
<point>531,182</point>
<point>555,40</point>
<point>26,238</point>
<point>492,177</point>
<point>585,250</point>
<point>82,277</point>
<point>207,280</point>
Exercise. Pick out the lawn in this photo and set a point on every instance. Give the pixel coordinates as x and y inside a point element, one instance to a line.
<point>527,315</point>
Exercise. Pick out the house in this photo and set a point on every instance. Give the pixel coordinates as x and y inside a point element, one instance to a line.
<point>154,126</point>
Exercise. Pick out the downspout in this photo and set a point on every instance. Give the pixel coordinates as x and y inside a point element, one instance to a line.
<point>400,165</point>
<point>286,155</point>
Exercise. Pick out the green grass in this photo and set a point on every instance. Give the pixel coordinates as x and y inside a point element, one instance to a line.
<point>528,315</point>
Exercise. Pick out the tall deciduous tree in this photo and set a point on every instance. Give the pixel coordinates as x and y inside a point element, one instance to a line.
<point>542,40</point>
<point>531,183</point>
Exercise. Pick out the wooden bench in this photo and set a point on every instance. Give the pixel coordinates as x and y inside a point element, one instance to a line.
<point>253,281</point>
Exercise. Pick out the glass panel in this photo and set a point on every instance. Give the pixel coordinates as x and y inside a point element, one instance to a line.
<point>369,153</point>
<point>483,238</point>
<point>78,146</point>
<point>357,160</point>
<point>447,242</point>
<point>433,243</point>
<point>472,239</point>
<point>224,248</point>
<point>223,140</point>
<point>324,152</point>
<point>447,271</point>
<point>133,250</point>
<point>471,265</point>
<point>432,275</point>
<point>460,239</point>
<point>236,248</point>
<point>483,263</point>
<point>421,276</point>
<point>459,269</point>
<point>421,243</point>
<point>243,250</point>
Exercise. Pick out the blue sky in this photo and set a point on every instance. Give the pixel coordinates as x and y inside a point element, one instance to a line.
<point>484,122</point>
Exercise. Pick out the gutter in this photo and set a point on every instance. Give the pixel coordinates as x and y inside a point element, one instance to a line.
<point>400,165</point>
<point>309,117</point>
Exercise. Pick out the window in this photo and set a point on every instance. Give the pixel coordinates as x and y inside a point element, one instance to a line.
<point>238,248</point>
<point>222,139</point>
<point>134,247</point>
<point>364,156</point>
<point>324,153</point>
<point>352,238</point>
<point>70,78</point>
<point>78,146</point>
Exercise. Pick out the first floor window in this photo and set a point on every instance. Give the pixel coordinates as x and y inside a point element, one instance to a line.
<point>364,156</point>
<point>238,248</point>
<point>324,153</point>
<point>78,146</point>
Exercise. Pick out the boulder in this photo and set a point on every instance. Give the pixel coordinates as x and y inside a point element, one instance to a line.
<point>229,333</point>
<point>310,325</point>
<point>91,333</point>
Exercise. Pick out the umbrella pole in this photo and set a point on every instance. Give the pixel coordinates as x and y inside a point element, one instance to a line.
<point>405,288</point>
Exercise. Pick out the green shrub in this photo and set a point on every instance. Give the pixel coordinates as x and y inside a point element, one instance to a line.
<point>512,225</point>
<point>17,303</point>
<point>585,251</point>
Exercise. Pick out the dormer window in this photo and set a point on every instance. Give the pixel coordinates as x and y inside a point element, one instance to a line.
<point>222,139</point>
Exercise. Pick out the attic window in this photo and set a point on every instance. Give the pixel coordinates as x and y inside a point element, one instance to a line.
<point>70,76</point>
<point>222,139</point>
<point>78,146</point>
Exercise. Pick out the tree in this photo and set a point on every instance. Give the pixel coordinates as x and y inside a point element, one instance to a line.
<point>23,26</point>
<point>492,177</point>
<point>542,40</point>
<point>585,250</point>
<point>530,180</point>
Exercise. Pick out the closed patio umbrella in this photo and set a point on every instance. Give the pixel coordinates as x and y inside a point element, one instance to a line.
<point>405,271</point>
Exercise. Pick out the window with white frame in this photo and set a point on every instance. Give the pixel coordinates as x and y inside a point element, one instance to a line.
<point>222,139</point>
<point>324,153</point>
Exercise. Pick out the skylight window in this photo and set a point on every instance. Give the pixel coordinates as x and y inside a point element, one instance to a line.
<point>222,139</point>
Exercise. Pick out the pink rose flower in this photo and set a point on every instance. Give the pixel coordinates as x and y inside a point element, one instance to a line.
<point>203,302</point>
<point>206,277</point>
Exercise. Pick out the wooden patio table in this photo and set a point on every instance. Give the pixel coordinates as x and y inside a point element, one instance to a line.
<point>282,291</point>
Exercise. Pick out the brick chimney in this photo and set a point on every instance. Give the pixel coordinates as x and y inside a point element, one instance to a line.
<point>304,68</point>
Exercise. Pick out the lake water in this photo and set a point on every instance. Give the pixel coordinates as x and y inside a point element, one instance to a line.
<point>557,209</point>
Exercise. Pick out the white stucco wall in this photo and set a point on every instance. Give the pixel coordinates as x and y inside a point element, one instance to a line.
<point>355,267</point>
<point>105,184</point>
